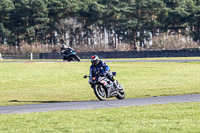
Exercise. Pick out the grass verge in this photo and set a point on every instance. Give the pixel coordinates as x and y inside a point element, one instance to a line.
<point>176,118</point>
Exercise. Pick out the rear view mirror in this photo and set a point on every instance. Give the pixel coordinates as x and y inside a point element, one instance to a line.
<point>85,76</point>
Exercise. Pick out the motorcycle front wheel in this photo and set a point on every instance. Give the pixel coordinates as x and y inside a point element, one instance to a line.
<point>100,92</point>
<point>120,92</point>
<point>77,58</point>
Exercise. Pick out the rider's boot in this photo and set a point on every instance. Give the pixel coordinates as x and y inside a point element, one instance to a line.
<point>112,78</point>
<point>115,84</point>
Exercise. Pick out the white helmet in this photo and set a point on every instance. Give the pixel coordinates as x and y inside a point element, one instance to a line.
<point>64,45</point>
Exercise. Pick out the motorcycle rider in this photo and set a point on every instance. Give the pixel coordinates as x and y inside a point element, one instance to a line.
<point>65,50</point>
<point>102,67</point>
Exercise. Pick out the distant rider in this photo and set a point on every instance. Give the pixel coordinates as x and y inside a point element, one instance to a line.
<point>102,68</point>
<point>65,50</point>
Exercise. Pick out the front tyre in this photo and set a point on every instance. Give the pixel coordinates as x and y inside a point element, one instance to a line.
<point>100,92</point>
<point>120,92</point>
<point>77,58</point>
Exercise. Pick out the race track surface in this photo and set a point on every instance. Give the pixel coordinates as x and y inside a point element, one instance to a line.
<point>98,104</point>
<point>183,60</point>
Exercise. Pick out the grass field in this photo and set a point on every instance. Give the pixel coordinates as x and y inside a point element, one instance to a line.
<point>32,83</point>
<point>29,83</point>
<point>169,118</point>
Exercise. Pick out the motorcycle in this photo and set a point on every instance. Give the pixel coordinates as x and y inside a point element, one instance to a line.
<point>105,88</point>
<point>70,55</point>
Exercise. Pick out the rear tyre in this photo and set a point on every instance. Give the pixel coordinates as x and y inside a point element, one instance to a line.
<point>65,58</point>
<point>120,92</point>
<point>100,92</point>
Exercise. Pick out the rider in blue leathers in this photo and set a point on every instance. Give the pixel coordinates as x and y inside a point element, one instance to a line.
<point>101,67</point>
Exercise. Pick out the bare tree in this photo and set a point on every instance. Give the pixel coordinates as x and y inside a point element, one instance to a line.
<point>69,30</point>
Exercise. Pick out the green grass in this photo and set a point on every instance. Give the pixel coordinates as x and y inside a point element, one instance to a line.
<point>169,118</point>
<point>29,83</point>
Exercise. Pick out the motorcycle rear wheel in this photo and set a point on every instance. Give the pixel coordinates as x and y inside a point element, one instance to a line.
<point>100,92</point>
<point>120,92</point>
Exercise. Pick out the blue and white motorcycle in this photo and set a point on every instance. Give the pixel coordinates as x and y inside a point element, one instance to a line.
<point>105,88</point>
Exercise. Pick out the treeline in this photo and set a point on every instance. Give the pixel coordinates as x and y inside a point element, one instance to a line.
<point>96,22</point>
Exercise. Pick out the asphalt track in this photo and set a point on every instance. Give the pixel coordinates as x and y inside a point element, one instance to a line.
<point>120,60</point>
<point>81,105</point>
<point>98,104</point>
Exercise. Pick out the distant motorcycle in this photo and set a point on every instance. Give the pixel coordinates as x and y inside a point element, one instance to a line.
<point>104,88</point>
<point>70,55</point>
